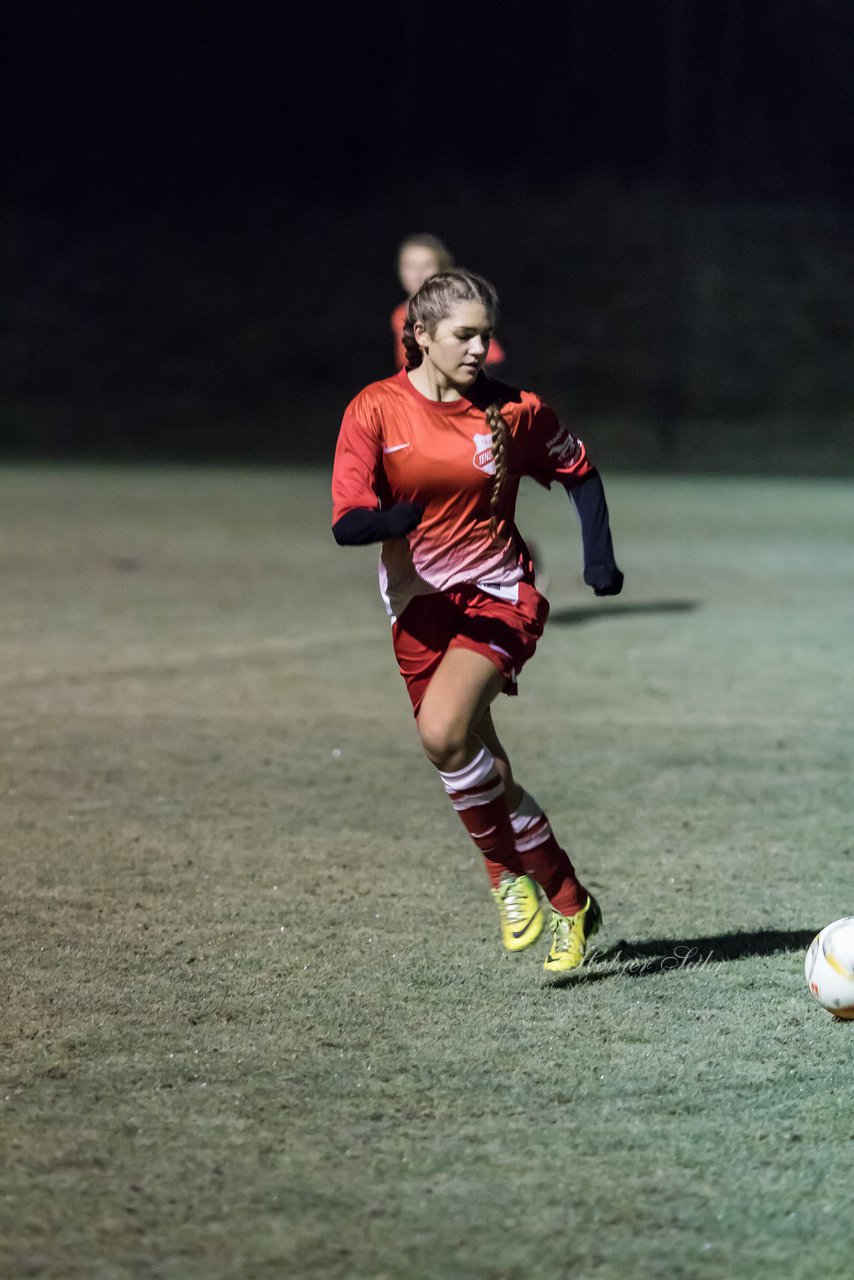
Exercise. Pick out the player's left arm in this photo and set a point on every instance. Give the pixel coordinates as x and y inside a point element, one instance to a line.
<point>600,566</point>
<point>554,453</point>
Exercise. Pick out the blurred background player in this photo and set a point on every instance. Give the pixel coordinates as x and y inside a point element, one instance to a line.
<point>418,258</point>
<point>428,463</point>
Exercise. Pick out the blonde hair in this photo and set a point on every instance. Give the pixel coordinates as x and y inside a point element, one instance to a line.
<point>434,302</point>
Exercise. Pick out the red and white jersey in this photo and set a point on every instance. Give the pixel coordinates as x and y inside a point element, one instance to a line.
<point>395,445</point>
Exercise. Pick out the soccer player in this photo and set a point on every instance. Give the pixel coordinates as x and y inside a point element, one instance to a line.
<point>428,463</point>
<point>418,258</point>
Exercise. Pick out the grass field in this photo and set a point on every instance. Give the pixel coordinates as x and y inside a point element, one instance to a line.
<point>256,1018</point>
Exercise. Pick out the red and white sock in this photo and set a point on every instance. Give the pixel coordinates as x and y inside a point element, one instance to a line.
<point>543,858</point>
<point>477,793</point>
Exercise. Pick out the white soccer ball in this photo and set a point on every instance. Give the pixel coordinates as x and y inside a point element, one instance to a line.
<point>829,967</point>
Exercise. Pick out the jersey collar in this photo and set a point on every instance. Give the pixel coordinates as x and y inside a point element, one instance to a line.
<point>437,406</point>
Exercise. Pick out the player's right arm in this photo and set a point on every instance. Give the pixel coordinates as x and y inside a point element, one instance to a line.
<point>358,517</point>
<point>398,320</point>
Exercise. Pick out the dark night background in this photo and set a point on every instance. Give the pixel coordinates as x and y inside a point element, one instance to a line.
<point>202,204</point>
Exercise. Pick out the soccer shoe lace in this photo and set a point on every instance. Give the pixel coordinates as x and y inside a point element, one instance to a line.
<point>570,935</point>
<point>522,919</point>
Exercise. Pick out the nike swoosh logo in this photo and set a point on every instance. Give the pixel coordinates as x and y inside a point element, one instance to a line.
<point>520,933</point>
<point>394,447</point>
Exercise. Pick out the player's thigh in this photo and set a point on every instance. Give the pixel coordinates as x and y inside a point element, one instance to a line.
<point>457,697</point>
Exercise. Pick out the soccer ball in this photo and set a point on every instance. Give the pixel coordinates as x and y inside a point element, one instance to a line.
<point>829,967</point>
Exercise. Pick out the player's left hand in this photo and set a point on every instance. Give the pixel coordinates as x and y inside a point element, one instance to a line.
<point>605,579</point>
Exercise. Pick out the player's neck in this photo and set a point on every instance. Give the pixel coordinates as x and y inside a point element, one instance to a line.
<point>432,384</point>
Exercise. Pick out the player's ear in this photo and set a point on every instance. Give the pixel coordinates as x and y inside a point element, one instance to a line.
<point>421,335</point>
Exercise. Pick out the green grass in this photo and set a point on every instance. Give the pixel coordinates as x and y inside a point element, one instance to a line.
<point>257,1022</point>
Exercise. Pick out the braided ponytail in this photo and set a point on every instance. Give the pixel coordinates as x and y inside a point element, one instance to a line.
<point>498,427</point>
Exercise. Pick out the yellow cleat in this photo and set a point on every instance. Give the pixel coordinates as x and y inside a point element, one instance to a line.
<point>570,935</point>
<point>522,919</point>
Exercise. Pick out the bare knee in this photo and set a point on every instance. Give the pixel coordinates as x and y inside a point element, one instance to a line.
<point>447,744</point>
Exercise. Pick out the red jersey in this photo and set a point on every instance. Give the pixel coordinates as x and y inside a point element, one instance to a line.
<point>395,445</point>
<point>495,354</point>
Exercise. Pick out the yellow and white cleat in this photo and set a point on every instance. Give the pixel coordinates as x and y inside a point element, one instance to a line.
<point>570,936</point>
<point>522,918</point>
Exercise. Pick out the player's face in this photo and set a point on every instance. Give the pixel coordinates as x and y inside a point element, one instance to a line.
<point>457,349</point>
<point>417,263</point>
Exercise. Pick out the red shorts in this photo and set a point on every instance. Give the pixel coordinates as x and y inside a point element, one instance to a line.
<point>503,631</point>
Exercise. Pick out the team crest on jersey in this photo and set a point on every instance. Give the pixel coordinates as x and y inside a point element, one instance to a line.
<point>483,458</point>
